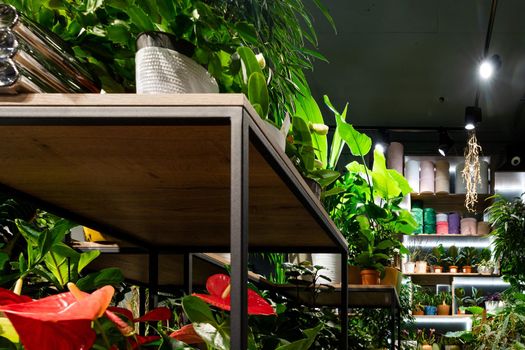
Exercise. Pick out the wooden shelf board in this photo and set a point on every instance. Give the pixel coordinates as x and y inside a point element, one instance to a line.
<point>429,317</point>
<point>449,202</point>
<point>155,170</point>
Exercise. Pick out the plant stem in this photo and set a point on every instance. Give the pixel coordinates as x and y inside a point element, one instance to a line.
<point>101,330</point>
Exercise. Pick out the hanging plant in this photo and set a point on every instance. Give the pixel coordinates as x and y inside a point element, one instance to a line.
<point>471,172</point>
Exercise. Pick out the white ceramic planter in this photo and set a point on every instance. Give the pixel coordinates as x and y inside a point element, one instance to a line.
<point>332,263</point>
<point>409,267</point>
<point>421,267</point>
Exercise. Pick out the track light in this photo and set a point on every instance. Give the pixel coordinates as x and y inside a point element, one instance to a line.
<point>472,117</point>
<point>445,143</point>
<point>489,66</point>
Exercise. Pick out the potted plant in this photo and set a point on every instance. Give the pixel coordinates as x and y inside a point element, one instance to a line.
<point>418,300</point>
<point>425,339</point>
<point>494,302</point>
<point>486,267</point>
<point>469,258</point>
<point>451,343</point>
<point>454,259</point>
<point>443,307</point>
<point>372,258</point>
<point>475,299</point>
<point>438,259</point>
<point>459,295</point>
<point>430,304</point>
<point>410,265</point>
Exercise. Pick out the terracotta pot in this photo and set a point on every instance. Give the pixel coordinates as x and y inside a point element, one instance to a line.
<point>392,277</point>
<point>467,269</point>
<point>438,269</point>
<point>443,309</point>
<point>369,277</point>
<point>354,274</point>
<point>418,312</point>
<point>453,269</point>
<point>426,347</point>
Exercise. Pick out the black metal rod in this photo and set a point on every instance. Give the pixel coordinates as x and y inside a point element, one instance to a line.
<point>188,273</point>
<point>393,320</point>
<point>399,320</point>
<point>492,17</point>
<point>343,313</point>
<point>239,168</point>
<point>153,276</point>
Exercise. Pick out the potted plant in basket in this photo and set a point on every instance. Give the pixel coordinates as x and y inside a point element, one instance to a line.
<point>443,307</point>
<point>469,258</point>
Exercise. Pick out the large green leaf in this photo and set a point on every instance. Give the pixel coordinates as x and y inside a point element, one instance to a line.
<point>62,261</point>
<point>384,185</point>
<point>27,231</point>
<point>249,63</point>
<point>337,142</point>
<point>303,344</point>
<point>197,310</point>
<point>110,276</point>
<point>258,93</point>
<point>359,143</point>
<point>303,137</point>
<point>307,109</point>
<point>86,258</point>
<point>402,183</point>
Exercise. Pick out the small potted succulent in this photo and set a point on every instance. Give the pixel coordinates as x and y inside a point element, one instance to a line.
<point>469,258</point>
<point>443,307</point>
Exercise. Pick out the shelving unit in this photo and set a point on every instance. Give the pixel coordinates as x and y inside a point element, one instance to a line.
<point>170,174</point>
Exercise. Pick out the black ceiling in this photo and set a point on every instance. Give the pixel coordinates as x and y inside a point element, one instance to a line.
<point>414,63</point>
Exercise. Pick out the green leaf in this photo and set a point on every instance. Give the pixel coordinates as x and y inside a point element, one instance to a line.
<point>27,231</point>
<point>247,32</point>
<point>303,344</point>
<point>4,258</point>
<point>324,177</point>
<point>22,264</point>
<point>60,229</point>
<point>197,310</point>
<point>359,143</point>
<point>384,185</point>
<point>9,335</point>
<point>167,10</point>
<point>86,258</point>
<point>356,167</point>
<point>110,276</point>
<point>45,242</point>
<point>337,142</point>
<point>140,19</point>
<point>385,244</point>
<point>93,5</point>
<point>258,93</point>
<point>118,33</point>
<point>315,54</point>
<point>402,183</point>
<point>303,136</point>
<point>62,262</point>
<point>249,63</point>
<point>326,13</point>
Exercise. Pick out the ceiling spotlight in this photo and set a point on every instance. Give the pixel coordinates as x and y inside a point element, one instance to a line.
<point>445,143</point>
<point>472,117</point>
<point>488,66</point>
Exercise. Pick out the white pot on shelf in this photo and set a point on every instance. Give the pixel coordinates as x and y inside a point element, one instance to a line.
<point>332,265</point>
<point>409,267</point>
<point>421,267</point>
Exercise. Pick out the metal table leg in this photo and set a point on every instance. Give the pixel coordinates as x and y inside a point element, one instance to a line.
<point>188,273</point>
<point>393,320</point>
<point>153,275</point>
<point>343,311</point>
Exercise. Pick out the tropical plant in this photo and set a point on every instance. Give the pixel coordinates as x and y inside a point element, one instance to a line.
<point>475,298</point>
<point>438,257</point>
<point>445,298</point>
<point>418,297</point>
<point>453,256</point>
<point>508,223</point>
<point>469,256</point>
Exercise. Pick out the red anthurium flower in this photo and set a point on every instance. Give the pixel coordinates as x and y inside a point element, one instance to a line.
<point>187,335</point>
<point>58,322</point>
<point>219,288</point>
<point>7,297</point>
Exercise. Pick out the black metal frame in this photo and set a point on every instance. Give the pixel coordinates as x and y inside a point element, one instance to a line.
<point>243,131</point>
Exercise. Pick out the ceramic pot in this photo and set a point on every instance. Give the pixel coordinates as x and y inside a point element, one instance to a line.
<point>467,269</point>
<point>354,274</point>
<point>430,310</point>
<point>485,270</point>
<point>438,269</point>
<point>443,309</point>
<point>421,267</point>
<point>453,269</point>
<point>418,312</point>
<point>332,263</point>
<point>426,347</point>
<point>409,267</point>
<point>369,277</point>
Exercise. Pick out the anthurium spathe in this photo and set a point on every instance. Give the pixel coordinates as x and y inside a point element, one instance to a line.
<point>219,288</point>
<point>58,322</point>
<point>187,335</point>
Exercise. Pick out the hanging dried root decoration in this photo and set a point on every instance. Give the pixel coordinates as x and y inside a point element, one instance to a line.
<point>471,172</point>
